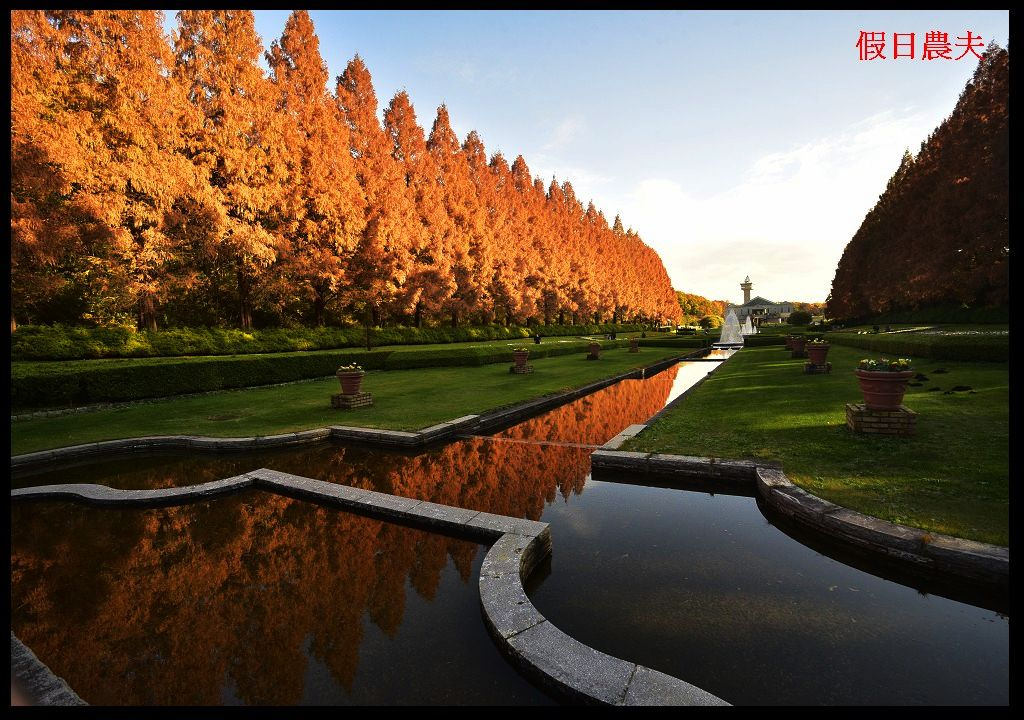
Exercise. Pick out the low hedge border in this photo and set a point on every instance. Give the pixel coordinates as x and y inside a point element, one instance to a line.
<point>57,342</point>
<point>39,386</point>
<point>993,348</point>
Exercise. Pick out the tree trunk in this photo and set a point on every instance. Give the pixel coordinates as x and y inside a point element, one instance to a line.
<point>147,312</point>
<point>561,317</point>
<point>367,321</point>
<point>319,304</point>
<point>597,318</point>
<point>418,316</point>
<point>455,318</point>
<point>244,301</point>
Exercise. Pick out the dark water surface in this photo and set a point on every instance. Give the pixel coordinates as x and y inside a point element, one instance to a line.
<point>697,585</point>
<point>253,599</point>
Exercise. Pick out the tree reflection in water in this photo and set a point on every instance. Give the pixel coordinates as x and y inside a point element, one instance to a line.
<point>169,605</point>
<point>166,605</point>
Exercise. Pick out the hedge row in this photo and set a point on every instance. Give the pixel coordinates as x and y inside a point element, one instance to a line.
<point>37,385</point>
<point>679,342</point>
<point>942,314</point>
<point>58,342</point>
<point>994,348</point>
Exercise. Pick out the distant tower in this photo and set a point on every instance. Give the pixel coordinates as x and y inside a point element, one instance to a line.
<point>745,286</point>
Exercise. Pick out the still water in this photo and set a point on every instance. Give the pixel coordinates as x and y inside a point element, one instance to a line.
<point>695,584</point>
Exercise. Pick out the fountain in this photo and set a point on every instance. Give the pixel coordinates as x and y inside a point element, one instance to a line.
<point>731,336</point>
<point>748,327</point>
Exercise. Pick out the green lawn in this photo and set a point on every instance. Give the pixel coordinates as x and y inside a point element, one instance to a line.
<point>403,400</point>
<point>951,477</point>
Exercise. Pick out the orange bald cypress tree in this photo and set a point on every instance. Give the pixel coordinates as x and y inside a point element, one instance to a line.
<point>47,229</point>
<point>482,241</point>
<point>431,281</point>
<point>382,262</point>
<point>503,229</point>
<point>463,208</point>
<point>239,146</point>
<point>103,111</point>
<point>186,184</point>
<point>322,213</point>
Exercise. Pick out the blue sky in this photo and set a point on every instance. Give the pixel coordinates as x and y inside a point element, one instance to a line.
<point>735,142</point>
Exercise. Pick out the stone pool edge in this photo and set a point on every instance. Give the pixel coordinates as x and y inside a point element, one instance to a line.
<point>959,557</point>
<point>532,643</point>
<point>447,430</point>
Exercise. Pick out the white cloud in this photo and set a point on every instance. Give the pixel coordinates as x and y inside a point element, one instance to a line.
<point>788,220</point>
<point>583,179</point>
<point>564,132</point>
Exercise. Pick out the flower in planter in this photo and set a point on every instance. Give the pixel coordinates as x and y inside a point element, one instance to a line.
<point>520,349</point>
<point>352,367</point>
<point>884,365</point>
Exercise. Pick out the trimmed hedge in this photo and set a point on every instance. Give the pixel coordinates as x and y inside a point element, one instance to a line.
<point>443,357</point>
<point>38,385</point>
<point>995,348</point>
<point>57,342</point>
<point>680,342</point>
<point>947,314</point>
<point>43,385</point>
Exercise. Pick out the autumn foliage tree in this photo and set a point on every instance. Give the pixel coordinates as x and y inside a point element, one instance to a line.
<point>97,157</point>
<point>322,213</point>
<point>939,233</point>
<point>173,181</point>
<point>694,307</point>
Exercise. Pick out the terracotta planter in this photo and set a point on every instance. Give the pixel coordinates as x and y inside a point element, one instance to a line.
<point>595,350</point>
<point>351,381</point>
<point>883,390</point>
<point>817,352</point>
<point>634,345</point>
<point>797,344</point>
<point>520,356</point>
<point>789,342</point>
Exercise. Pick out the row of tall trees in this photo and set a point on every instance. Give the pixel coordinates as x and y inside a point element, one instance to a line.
<point>939,234</point>
<point>174,180</point>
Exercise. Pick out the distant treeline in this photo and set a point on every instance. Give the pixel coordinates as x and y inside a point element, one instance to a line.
<point>171,181</point>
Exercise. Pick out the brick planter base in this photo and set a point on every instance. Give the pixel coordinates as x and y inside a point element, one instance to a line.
<point>345,402</point>
<point>812,369</point>
<point>520,369</point>
<point>879,422</point>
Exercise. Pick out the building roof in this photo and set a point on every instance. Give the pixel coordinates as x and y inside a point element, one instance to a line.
<point>759,301</point>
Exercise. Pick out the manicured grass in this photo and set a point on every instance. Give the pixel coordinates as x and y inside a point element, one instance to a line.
<point>403,400</point>
<point>952,477</point>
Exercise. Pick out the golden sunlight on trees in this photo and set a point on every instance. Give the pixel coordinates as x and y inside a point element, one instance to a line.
<point>170,181</point>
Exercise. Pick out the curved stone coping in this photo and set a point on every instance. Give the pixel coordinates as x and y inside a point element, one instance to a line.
<point>380,437</point>
<point>965,559</point>
<point>555,659</point>
<point>561,663</point>
<point>36,680</point>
